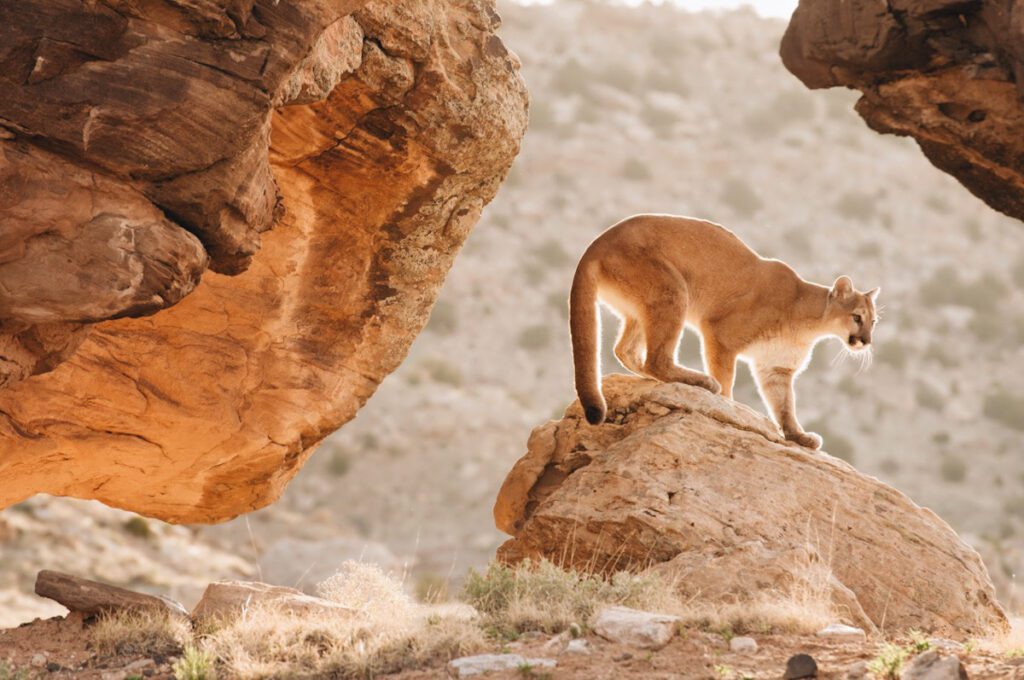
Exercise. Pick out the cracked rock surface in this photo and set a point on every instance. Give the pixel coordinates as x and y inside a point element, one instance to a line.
<point>949,73</point>
<point>706,490</point>
<point>167,139</point>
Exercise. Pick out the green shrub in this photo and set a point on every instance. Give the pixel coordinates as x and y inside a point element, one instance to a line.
<point>194,664</point>
<point>138,527</point>
<point>636,171</point>
<point>535,337</point>
<point>894,353</point>
<point>339,463</point>
<point>834,443</point>
<point>444,318</point>
<point>741,197</point>
<point>1006,408</point>
<point>441,371</point>
<point>857,205</point>
<point>551,254</point>
<point>953,469</point>
<point>930,398</point>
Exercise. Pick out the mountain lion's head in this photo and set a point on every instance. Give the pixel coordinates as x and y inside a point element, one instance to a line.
<point>852,313</point>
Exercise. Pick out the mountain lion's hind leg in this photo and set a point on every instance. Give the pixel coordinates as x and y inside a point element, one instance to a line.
<point>663,317</point>
<point>629,348</point>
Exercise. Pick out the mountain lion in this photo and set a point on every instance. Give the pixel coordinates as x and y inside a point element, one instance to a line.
<point>658,272</point>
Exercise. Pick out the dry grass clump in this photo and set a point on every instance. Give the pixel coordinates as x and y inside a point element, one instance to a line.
<point>543,596</point>
<point>388,634</point>
<point>143,632</point>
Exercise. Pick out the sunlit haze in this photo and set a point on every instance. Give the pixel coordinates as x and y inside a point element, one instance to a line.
<point>767,8</point>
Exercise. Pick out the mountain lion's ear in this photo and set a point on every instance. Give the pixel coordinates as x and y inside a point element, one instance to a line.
<point>873,293</point>
<point>842,288</point>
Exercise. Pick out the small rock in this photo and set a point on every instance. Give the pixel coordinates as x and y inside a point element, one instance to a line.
<point>931,665</point>
<point>578,646</point>
<point>635,628</point>
<point>138,665</point>
<point>944,644</point>
<point>840,631</point>
<point>801,666</point>
<point>38,660</point>
<point>485,663</point>
<point>555,645</point>
<point>53,667</point>
<point>743,645</point>
<point>624,656</point>
<point>857,671</point>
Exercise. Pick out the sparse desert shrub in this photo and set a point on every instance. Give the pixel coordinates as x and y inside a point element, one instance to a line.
<point>1006,408</point>
<point>889,466</point>
<point>785,109</point>
<point>194,664</point>
<point>930,398</point>
<point>834,443</point>
<point>856,205</point>
<point>444,318</point>
<point>953,469</point>
<point>138,527</point>
<point>543,596</point>
<point>941,438</point>
<point>741,197</point>
<point>535,337</point>
<point>571,78</point>
<point>559,300</point>
<point>440,371</point>
<point>889,662</point>
<point>945,287</point>
<point>636,170</point>
<point>894,353</point>
<point>378,640</point>
<point>797,241</point>
<point>658,118</point>
<point>431,588</point>
<point>551,253</point>
<point>8,672</point>
<point>666,80</point>
<point>936,353</point>
<point>619,76</point>
<point>849,386</point>
<point>142,632</point>
<point>542,116</point>
<point>870,249</point>
<point>339,463</point>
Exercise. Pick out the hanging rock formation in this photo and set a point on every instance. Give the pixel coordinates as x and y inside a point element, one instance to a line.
<point>321,161</point>
<point>687,482</point>
<point>949,73</point>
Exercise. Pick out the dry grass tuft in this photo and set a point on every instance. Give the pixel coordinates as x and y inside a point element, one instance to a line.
<point>543,596</point>
<point>389,634</point>
<point>143,632</point>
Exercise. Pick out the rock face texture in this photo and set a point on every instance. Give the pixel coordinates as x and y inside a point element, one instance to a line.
<point>691,483</point>
<point>142,144</point>
<point>947,72</point>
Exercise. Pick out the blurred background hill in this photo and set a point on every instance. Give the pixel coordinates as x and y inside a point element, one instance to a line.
<point>634,109</point>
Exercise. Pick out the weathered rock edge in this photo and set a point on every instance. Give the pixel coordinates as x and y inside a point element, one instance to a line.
<point>691,483</point>
<point>946,72</point>
<point>207,409</point>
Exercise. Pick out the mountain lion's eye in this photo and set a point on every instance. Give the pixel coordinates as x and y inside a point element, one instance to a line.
<point>857,319</point>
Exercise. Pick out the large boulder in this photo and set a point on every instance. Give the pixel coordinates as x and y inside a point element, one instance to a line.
<point>688,482</point>
<point>141,142</point>
<point>946,72</point>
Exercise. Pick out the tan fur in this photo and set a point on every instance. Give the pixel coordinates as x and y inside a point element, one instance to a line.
<point>658,272</point>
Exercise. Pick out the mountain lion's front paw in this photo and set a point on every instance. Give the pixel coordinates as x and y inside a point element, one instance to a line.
<point>806,439</point>
<point>710,384</point>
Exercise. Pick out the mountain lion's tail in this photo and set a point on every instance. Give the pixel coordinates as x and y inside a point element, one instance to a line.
<point>585,330</point>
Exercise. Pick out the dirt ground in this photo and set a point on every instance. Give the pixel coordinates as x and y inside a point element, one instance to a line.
<point>59,648</point>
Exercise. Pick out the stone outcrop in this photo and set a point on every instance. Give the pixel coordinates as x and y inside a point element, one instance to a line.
<point>225,600</point>
<point>946,72</point>
<point>687,482</point>
<point>143,145</point>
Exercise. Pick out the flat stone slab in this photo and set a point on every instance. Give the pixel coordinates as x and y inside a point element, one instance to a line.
<point>635,628</point>
<point>841,631</point>
<point>469,666</point>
